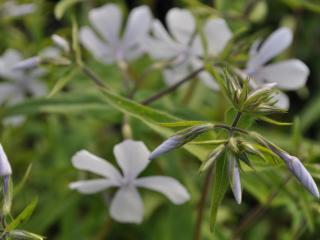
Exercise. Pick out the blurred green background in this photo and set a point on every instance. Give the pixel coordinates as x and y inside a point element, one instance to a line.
<point>77,120</point>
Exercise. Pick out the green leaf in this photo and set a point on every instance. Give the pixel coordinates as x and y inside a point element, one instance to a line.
<point>274,122</point>
<point>62,82</point>
<point>23,216</point>
<point>63,104</point>
<point>152,118</point>
<point>63,6</point>
<point>20,185</point>
<point>310,114</point>
<point>219,187</point>
<point>182,124</point>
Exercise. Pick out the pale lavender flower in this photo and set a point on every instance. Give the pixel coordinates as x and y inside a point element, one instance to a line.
<point>183,47</point>
<point>132,157</point>
<point>290,74</point>
<point>18,84</point>
<point>113,46</point>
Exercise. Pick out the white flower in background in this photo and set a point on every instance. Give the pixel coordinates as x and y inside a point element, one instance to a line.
<point>183,47</point>
<point>12,9</point>
<point>132,157</point>
<point>52,54</point>
<point>113,46</point>
<point>18,84</point>
<point>290,74</point>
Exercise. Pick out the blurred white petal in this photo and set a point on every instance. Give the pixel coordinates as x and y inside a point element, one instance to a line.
<point>13,121</point>
<point>282,99</point>
<point>37,88</point>
<point>276,43</point>
<point>217,34</point>
<point>204,76</point>
<point>92,186</point>
<point>107,21</point>
<point>127,206</point>
<point>99,49</point>
<point>85,160</point>
<point>132,157</point>
<point>172,76</point>
<point>181,24</point>
<point>138,25</point>
<point>168,186</point>
<point>7,89</point>
<point>289,75</point>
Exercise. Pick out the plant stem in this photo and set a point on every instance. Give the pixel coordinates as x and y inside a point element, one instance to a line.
<point>207,180</point>
<point>94,77</point>
<point>202,203</point>
<point>172,88</point>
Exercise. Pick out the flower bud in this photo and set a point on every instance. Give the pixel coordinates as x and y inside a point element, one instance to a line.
<point>234,177</point>
<point>300,172</point>
<point>61,43</point>
<point>5,168</point>
<point>180,139</point>
<point>213,156</point>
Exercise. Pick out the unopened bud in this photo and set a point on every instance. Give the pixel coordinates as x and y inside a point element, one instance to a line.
<point>180,139</point>
<point>5,168</point>
<point>234,177</point>
<point>27,63</point>
<point>61,43</point>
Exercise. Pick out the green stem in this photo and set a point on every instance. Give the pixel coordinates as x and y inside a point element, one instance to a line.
<point>207,180</point>
<point>171,88</point>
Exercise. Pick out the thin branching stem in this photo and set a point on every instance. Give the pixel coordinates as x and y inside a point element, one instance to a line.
<point>172,88</point>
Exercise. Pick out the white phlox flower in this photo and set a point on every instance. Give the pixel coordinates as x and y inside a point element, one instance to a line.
<point>290,74</point>
<point>132,157</point>
<point>12,9</point>
<point>18,84</point>
<point>52,54</point>
<point>183,47</point>
<point>108,44</point>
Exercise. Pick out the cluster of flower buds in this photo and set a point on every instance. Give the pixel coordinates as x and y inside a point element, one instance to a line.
<point>238,91</point>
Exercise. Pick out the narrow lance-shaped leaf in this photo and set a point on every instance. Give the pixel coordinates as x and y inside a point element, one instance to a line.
<point>23,216</point>
<point>219,187</point>
<point>213,156</point>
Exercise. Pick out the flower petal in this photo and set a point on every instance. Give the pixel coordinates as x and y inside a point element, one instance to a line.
<point>204,76</point>
<point>7,90</point>
<point>107,21</point>
<point>7,61</point>
<point>283,100</point>
<point>181,24</point>
<point>100,50</point>
<point>138,25</point>
<point>37,88</point>
<point>85,160</point>
<point>289,75</point>
<point>127,206</point>
<point>132,157</point>
<point>172,76</point>
<point>276,43</point>
<point>218,34</point>
<point>168,186</point>
<point>92,186</point>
